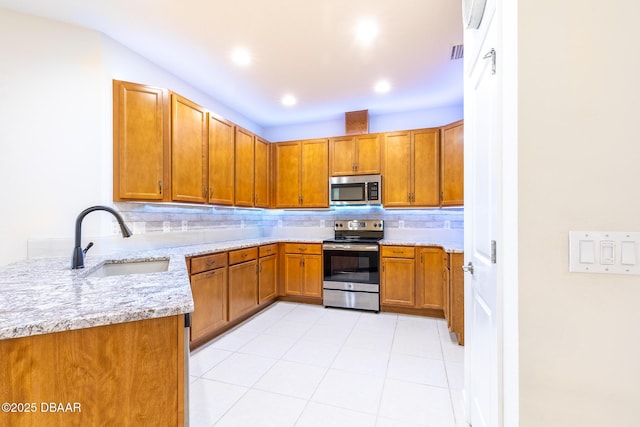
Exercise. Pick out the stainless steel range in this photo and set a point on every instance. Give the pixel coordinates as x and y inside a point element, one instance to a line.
<point>351,265</point>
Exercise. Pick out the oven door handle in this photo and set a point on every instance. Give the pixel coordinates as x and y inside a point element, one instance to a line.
<point>343,247</point>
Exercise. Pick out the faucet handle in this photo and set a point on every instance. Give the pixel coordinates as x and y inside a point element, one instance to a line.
<point>84,251</point>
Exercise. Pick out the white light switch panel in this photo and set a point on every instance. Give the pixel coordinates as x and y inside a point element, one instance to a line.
<point>604,252</point>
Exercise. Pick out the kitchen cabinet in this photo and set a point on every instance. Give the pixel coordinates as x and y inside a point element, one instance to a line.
<point>355,155</point>
<point>262,173</point>
<point>189,151</point>
<point>452,165</point>
<point>301,174</point>
<point>267,273</point>
<point>209,290</point>
<point>430,277</point>
<point>456,296</point>
<point>221,161</point>
<point>411,168</point>
<point>245,164</point>
<point>397,281</point>
<point>117,374</point>
<point>141,142</point>
<point>243,281</point>
<point>303,269</point>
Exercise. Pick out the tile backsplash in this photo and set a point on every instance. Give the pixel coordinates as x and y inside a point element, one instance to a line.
<point>156,225</point>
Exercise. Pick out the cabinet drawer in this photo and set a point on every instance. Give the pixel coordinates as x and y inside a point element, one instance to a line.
<point>268,250</point>
<point>303,248</point>
<point>398,251</point>
<point>208,262</point>
<point>242,255</point>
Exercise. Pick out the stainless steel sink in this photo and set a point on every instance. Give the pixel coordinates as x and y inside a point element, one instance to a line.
<point>113,268</point>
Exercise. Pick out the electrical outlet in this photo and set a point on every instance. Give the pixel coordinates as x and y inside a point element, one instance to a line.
<point>322,223</point>
<point>185,225</point>
<point>166,226</point>
<point>401,223</point>
<point>447,224</point>
<point>279,223</point>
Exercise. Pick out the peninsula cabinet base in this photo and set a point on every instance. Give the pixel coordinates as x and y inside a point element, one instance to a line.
<point>126,374</point>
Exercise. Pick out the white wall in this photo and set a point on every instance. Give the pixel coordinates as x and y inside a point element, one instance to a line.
<point>578,170</point>
<point>56,126</point>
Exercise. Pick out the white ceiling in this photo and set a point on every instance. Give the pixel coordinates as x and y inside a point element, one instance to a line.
<point>305,47</point>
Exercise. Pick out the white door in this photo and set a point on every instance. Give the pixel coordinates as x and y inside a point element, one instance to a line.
<point>482,198</point>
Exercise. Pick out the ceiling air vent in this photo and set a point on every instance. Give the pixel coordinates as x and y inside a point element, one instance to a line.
<point>457,52</point>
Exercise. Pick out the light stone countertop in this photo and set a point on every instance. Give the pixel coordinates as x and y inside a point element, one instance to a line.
<point>449,245</point>
<point>40,296</point>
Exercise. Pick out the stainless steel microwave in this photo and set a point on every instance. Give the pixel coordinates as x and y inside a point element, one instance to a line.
<point>355,190</point>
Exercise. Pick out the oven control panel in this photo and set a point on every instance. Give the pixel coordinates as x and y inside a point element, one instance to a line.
<point>359,225</point>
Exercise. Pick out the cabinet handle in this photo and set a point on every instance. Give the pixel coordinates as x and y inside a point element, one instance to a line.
<point>302,248</point>
<point>244,255</point>
<point>397,252</point>
<point>422,258</point>
<point>211,193</point>
<point>204,191</point>
<point>210,263</point>
<point>260,268</point>
<point>160,186</point>
<point>383,267</point>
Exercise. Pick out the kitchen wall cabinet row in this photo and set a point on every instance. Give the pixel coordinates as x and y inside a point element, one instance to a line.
<point>423,280</point>
<point>168,148</point>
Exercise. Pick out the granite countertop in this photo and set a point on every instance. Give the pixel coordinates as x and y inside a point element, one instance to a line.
<point>40,296</point>
<point>451,246</point>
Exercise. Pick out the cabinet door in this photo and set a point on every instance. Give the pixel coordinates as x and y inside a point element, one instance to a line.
<point>261,173</point>
<point>426,170</point>
<point>221,161</point>
<point>342,153</point>
<point>312,265</point>
<point>267,278</point>
<point>209,290</point>
<point>430,278</point>
<point>396,157</point>
<point>243,288</point>
<point>287,175</point>
<point>293,274</point>
<point>368,154</point>
<point>452,165</point>
<point>314,178</point>
<point>398,282</point>
<point>140,141</point>
<point>245,163</point>
<point>457,295</point>
<point>189,151</point>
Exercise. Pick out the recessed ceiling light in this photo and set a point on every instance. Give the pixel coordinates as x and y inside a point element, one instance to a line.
<point>366,30</point>
<point>382,86</point>
<point>241,56</point>
<point>289,100</point>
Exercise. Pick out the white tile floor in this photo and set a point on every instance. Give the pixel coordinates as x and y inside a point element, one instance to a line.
<point>305,365</point>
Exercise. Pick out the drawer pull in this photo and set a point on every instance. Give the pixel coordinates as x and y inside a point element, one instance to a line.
<point>244,255</point>
<point>302,249</point>
<point>397,252</point>
<point>210,263</point>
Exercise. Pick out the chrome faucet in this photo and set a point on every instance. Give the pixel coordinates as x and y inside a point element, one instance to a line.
<point>77,259</point>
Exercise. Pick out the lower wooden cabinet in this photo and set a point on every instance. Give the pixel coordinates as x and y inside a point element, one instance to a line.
<point>243,281</point>
<point>424,281</point>
<point>209,290</point>
<point>398,278</point>
<point>267,273</point>
<point>303,269</point>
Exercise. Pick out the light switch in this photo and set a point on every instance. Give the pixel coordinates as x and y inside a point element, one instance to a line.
<point>628,253</point>
<point>607,252</point>
<point>587,252</point>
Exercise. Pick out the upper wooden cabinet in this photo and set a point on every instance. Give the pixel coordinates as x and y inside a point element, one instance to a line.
<point>245,163</point>
<point>452,165</point>
<point>355,155</point>
<point>141,141</point>
<point>262,173</point>
<point>410,165</point>
<point>221,161</point>
<point>301,174</point>
<point>189,151</point>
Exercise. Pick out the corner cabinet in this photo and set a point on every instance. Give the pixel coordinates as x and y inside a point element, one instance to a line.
<point>262,173</point>
<point>355,155</point>
<point>243,281</point>
<point>301,174</point>
<point>452,165</point>
<point>189,151</point>
<point>411,168</point>
<point>141,142</point>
